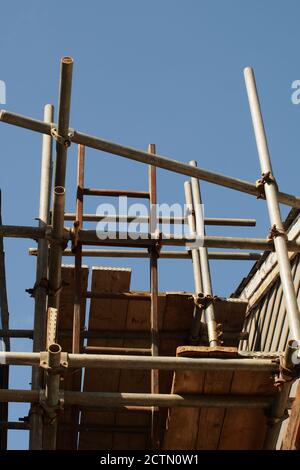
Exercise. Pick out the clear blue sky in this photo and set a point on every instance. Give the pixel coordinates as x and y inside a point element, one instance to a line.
<point>166,72</point>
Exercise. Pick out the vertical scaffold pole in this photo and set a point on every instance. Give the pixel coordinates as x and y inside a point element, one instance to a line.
<point>61,134</point>
<point>40,294</point>
<point>153,229</point>
<point>78,251</point>
<point>270,190</point>
<point>209,310</point>
<point>195,329</point>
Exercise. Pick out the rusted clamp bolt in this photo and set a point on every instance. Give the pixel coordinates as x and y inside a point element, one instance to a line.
<point>266,178</point>
<point>66,141</point>
<point>276,232</point>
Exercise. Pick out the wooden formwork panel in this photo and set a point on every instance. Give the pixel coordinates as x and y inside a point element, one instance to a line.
<point>175,313</point>
<point>104,314</point>
<point>217,428</point>
<point>69,418</point>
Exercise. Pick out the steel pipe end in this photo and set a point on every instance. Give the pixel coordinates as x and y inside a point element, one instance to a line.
<point>54,351</point>
<point>54,348</point>
<point>248,71</point>
<point>67,60</point>
<point>49,107</point>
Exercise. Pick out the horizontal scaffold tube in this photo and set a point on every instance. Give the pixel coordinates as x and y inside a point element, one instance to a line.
<point>121,334</point>
<point>213,255</point>
<point>144,157</point>
<point>19,231</point>
<point>104,400</point>
<point>141,362</point>
<point>222,221</point>
<point>90,237</point>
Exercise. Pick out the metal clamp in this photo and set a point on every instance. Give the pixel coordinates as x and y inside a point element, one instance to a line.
<point>266,178</point>
<point>75,235</point>
<point>203,301</point>
<point>66,141</point>
<point>44,363</point>
<point>276,232</point>
<point>155,249</point>
<point>43,283</point>
<point>50,412</point>
<point>286,373</point>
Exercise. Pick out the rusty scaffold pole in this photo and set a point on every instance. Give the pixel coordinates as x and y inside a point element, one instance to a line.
<point>62,136</point>
<point>78,251</point>
<point>154,254</point>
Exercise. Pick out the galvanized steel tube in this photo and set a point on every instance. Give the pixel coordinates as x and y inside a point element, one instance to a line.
<point>146,363</point>
<point>105,400</point>
<point>40,296</point>
<point>214,255</point>
<point>145,157</point>
<point>219,221</point>
<point>209,311</point>
<point>272,197</point>
<point>56,248</point>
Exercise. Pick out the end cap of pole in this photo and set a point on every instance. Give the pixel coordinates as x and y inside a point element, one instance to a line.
<point>67,60</point>
<point>248,71</point>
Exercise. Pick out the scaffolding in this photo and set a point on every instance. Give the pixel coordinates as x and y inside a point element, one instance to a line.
<point>50,361</point>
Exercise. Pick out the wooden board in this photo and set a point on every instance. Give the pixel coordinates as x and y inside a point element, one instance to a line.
<point>175,312</point>
<point>67,437</point>
<point>217,428</point>
<point>104,314</point>
<point>291,439</point>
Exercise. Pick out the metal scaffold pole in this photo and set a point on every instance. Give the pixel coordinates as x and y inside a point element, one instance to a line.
<point>61,134</point>
<point>78,251</point>
<point>270,189</point>
<point>209,311</point>
<point>119,325</point>
<point>196,323</point>
<point>144,157</point>
<point>154,253</point>
<point>40,291</point>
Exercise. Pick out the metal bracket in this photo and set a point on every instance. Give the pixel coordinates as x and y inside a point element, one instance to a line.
<point>66,141</point>
<point>276,232</point>
<point>50,412</point>
<point>75,235</point>
<point>44,363</point>
<point>286,373</point>
<point>155,249</point>
<point>43,283</point>
<point>52,314</point>
<point>266,178</point>
<point>202,301</point>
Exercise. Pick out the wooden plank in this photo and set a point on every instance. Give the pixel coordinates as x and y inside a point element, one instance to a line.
<point>175,312</point>
<point>291,439</point>
<point>67,439</point>
<point>245,428</point>
<point>196,428</point>
<point>104,314</point>
<point>219,428</point>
